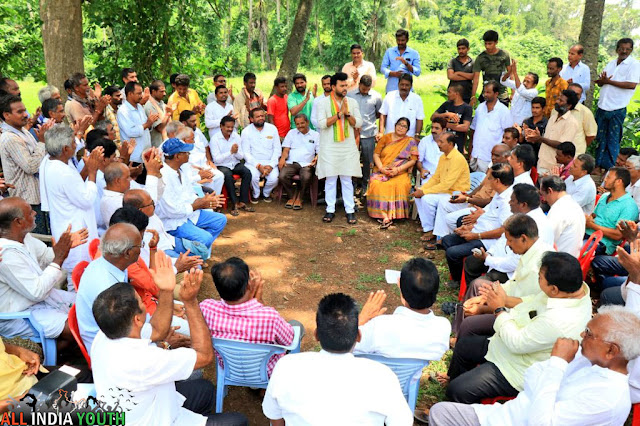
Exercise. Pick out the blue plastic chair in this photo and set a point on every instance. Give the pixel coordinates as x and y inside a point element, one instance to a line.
<point>48,345</point>
<point>245,364</point>
<point>476,179</point>
<point>408,370</point>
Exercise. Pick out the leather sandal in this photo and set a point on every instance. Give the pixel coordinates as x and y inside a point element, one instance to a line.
<point>352,219</point>
<point>328,217</point>
<point>289,204</point>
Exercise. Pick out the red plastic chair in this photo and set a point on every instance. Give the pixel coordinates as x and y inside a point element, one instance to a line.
<point>635,412</point>
<point>490,401</point>
<point>463,283</point>
<point>77,272</point>
<point>226,193</point>
<point>93,247</point>
<point>534,175</point>
<point>313,190</point>
<point>588,252</point>
<point>73,326</point>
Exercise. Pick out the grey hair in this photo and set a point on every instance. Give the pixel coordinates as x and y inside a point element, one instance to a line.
<point>7,216</point>
<point>117,247</point>
<point>46,92</point>
<point>112,172</point>
<point>173,127</point>
<point>76,78</point>
<point>56,138</point>
<point>624,329</point>
<point>635,160</point>
<point>102,125</point>
<point>184,132</point>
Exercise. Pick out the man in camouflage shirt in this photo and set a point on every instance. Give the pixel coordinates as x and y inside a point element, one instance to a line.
<point>492,63</point>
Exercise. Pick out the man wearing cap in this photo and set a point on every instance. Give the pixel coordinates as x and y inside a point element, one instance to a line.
<point>184,214</point>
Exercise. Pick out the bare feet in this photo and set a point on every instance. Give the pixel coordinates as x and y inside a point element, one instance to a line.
<point>443,379</point>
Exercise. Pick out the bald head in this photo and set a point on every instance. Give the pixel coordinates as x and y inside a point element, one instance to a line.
<point>12,208</point>
<point>137,198</point>
<point>119,242</point>
<point>117,177</point>
<point>500,153</point>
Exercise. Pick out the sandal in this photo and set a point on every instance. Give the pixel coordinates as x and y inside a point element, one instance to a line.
<point>289,204</point>
<point>421,416</point>
<point>247,208</point>
<point>386,225</point>
<point>328,217</point>
<point>434,246</point>
<point>297,205</point>
<point>428,238</point>
<point>234,212</point>
<point>351,218</point>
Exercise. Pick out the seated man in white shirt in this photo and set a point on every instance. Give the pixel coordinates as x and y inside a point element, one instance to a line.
<point>31,274</point>
<point>483,227</point>
<point>580,185</point>
<point>581,384</point>
<point>261,149</point>
<point>429,152</point>
<point>200,158</point>
<point>522,159</point>
<point>299,157</point>
<point>153,380</point>
<point>413,331</point>
<point>351,390</point>
<point>500,262</point>
<point>483,367</point>
<point>172,247</point>
<point>226,150</point>
<point>565,215</point>
<point>633,165</point>
<point>183,213</point>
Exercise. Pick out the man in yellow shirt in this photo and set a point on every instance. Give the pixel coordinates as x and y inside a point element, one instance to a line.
<point>452,174</point>
<point>184,98</point>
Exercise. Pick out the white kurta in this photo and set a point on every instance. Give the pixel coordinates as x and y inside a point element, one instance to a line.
<point>69,200</point>
<point>337,158</point>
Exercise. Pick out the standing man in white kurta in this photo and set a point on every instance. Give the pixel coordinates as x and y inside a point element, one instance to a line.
<point>65,195</point>
<point>261,149</point>
<point>338,155</point>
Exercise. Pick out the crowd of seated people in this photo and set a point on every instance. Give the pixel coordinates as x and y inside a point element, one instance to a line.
<point>131,194</point>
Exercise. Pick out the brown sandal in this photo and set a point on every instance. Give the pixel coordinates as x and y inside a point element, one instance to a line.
<point>289,204</point>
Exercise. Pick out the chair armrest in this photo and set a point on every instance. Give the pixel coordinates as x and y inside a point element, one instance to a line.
<point>35,325</point>
<point>296,339</point>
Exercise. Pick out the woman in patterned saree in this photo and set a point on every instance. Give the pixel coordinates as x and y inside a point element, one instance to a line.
<point>390,183</point>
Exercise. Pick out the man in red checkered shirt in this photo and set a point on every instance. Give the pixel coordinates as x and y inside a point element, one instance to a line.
<point>240,314</point>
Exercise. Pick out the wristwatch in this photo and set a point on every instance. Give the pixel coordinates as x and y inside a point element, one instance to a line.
<point>500,309</point>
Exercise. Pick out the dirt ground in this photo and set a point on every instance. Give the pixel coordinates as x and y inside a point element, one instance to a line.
<point>303,259</point>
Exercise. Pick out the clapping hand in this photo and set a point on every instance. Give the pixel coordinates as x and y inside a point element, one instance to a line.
<point>494,294</point>
<point>190,285</point>
<point>373,307</point>
<point>256,284</point>
<point>43,129</point>
<point>629,230</point>
<point>631,261</point>
<point>186,262</point>
<point>472,306</point>
<point>162,273</point>
<point>79,237</point>
<point>155,238</point>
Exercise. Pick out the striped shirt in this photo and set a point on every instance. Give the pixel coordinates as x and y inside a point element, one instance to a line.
<point>21,156</point>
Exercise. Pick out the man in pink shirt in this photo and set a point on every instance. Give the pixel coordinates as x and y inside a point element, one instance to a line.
<point>240,314</point>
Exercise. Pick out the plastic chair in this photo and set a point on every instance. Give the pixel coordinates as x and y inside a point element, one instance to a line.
<point>226,193</point>
<point>77,272</point>
<point>490,401</point>
<point>313,190</point>
<point>94,245</point>
<point>588,252</point>
<point>49,349</point>
<point>408,370</point>
<point>245,364</point>
<point>476,179</point>
<point>534,175</point>
<point>75,330</point>
<point>635,412</point>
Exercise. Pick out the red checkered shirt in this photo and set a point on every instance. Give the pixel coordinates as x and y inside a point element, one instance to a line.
<point>250,321</point>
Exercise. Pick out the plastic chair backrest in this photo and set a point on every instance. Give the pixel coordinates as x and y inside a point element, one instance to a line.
<point>588,252</point>
<point>635,411</point>
<point>490,401</point>
<point>75,331</point>
<point>408,371</point>
<point>534,175</point>
<point>476,179</point>
<point>49,347</point>
<point>93,247</point>
<point>77,272</point>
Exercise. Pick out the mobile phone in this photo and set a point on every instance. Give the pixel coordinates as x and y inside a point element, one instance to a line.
<point>476,251</point>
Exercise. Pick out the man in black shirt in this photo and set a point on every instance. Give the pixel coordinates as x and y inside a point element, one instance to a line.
<point>537,120</point>
<point>457,113</point>
<point>460,69</point>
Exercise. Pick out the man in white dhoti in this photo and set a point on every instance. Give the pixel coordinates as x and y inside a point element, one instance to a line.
<point>30,273</point>
<point>338,155</point>
<point>261,148</point>
<point>68,199</point>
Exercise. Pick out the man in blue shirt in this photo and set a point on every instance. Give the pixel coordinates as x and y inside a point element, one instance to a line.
<point>399,60</point>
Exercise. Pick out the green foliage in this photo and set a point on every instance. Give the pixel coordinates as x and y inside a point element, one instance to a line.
<point>631,126</point>
<point>21,51</point>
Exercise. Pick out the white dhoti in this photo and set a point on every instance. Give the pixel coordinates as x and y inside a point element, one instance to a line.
<point>427,206</point>
<point>330,191</point>
<point>441,227</point>
<point>271,180</point>
<point>51,314</point>
<point>478,165</point>
<point>452,218</point>
<point>217,181</point>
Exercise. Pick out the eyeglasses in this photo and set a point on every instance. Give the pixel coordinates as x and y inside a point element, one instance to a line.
<point>141,246</point>
<point>148,205</point>
<point>589,334</point>
<point>402,126</point>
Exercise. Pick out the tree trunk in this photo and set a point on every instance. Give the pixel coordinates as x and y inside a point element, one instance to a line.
<point>249,29</point>
<point>62,40</point>
<point>317,25</point>
<point>293,51</point>
<point>288,13</point>
<point>590,39</point>
<point>227,27</point>
<point>278,11</point>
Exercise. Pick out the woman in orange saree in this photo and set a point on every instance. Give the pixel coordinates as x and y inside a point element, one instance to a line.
<point>390,183</point>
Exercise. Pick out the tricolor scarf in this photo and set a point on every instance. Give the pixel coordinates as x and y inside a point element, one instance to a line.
<point>341,127</point>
